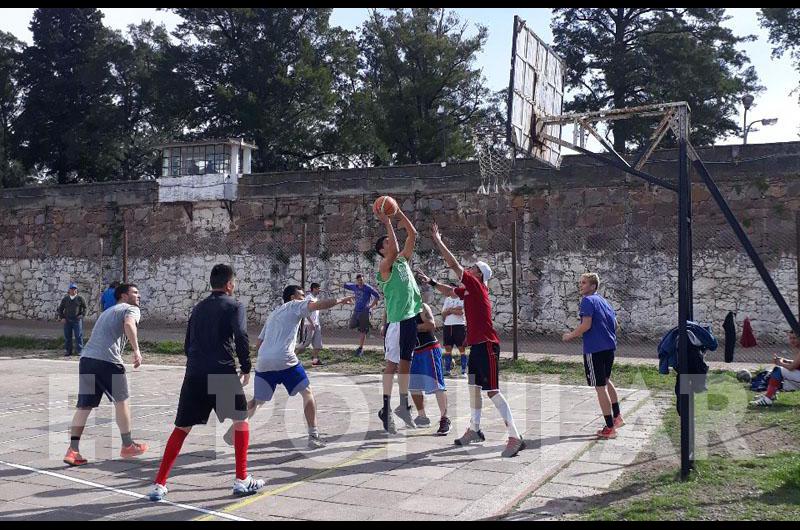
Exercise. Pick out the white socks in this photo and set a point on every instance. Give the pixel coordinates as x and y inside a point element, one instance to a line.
<point>505,411</point>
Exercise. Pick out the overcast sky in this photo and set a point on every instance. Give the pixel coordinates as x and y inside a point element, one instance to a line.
<point>777,75</point>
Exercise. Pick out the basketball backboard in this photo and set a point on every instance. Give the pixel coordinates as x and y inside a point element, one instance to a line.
<point>536,90</point>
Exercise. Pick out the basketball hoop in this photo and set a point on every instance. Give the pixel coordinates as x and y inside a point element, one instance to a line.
<point>495,160</point>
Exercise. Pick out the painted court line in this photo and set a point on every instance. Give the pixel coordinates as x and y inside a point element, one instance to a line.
<point>278,491</point>
<point>209,513</point>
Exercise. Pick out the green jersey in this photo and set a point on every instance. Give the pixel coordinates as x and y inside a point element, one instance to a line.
<point>403,300</point>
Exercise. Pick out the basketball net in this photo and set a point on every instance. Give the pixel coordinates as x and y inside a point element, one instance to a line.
<point>495,161</point>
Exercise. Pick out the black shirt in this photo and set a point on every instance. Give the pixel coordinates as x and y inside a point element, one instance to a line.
<point>424,338</point>
<point>217,328</point>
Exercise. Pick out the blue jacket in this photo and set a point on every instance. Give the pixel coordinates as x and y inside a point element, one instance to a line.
<point>699,336</point>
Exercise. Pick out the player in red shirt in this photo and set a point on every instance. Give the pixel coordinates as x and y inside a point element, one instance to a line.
<point>484,345</point>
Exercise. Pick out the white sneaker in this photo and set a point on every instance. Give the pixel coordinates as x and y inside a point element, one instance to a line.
<point>315,442</point>
<point>762,401</point>
<point>247,486</point>
<point>158,493</point>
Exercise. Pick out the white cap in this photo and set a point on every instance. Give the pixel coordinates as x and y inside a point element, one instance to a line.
<point>486,271</point>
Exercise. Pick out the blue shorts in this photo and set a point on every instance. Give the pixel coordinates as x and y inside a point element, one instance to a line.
<point>426,370</point>
<point>294,379</point>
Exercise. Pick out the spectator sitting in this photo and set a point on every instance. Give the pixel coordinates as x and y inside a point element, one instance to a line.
<point>786,374</point>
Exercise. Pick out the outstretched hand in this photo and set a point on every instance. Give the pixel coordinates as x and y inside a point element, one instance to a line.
<point>348,300</point>
<point>382,217</point>
<point>422,276</point>
<point>435,232</point>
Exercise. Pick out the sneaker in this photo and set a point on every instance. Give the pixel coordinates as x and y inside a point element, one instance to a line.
<point>316,362</point>
<point>470,437</point>
<point>388,422</point>
<point>607,433</point>
<point>359,352</point>
<point>247,486</point>
<point>158,493</point>
<point>514,446</point>
<point>444,426</point>
<point>74,458</point>
<point>762,401</point>
<point>228,436</point>
<point>132,450</point>
<point>422,421</point>
<point>315,442</point>
<point>405,415</point>
<point>618,422</point>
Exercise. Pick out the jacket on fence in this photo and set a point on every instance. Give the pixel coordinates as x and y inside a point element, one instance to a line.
<point>700,339</point>
<point>730,336</point>
<point>748,338</point>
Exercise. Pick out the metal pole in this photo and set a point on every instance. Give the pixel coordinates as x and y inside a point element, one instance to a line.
<point>101,283</point>
<point>303,258</point>
<point>514,306</point>
<point>125,255</point>
<point>797,256</point>
<point>684,303</point>
<point>745,127</point>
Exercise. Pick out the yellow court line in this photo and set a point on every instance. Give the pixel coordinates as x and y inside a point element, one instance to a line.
<point>277,491</point>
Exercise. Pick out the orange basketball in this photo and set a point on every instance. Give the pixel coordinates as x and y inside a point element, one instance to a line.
<point>385,204</point>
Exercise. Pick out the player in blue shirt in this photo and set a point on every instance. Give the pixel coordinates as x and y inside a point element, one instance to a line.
<point>598,328</point>
<point>360,319</point>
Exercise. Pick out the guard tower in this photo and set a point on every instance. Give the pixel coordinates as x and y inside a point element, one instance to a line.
<point>203,169</point>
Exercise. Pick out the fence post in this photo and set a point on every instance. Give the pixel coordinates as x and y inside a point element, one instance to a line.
<point>303,258</point>
<point>125,255</point>
<point>514,306</point>
<point>100,282</point>
<point>797,257</point>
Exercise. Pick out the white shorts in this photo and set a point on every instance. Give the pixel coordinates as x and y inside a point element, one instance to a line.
<point>400,340</point>
<point>791,379</point>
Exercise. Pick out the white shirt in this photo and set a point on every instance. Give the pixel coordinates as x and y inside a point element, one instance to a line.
<point>279,337</point>
<point>313,315</point>
<point>453,320</point>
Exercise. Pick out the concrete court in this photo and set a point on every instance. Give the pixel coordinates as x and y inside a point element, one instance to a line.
<point>363,474</point>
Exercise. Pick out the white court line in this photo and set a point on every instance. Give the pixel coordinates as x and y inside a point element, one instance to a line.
<point>125,492</point>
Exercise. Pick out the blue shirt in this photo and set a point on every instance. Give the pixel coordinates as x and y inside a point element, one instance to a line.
<point>108,299</point>
<point>364,295</point>
<point>602,335</point>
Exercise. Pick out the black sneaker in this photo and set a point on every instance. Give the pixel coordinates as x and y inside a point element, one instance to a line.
<point>444,426</point>
<point>405,415</point>
<point>388,422</point>
<point>359,352</point>
<point>470,437</point>
<point>422,421</point>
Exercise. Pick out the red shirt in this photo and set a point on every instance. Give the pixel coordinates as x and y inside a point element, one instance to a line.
<point>477,310</point>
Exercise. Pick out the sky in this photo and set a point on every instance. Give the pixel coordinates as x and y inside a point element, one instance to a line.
<point>778,76</point>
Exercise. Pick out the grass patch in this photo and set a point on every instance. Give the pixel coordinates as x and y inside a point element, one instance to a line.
<point>763,483</point>
<point>30,343</point>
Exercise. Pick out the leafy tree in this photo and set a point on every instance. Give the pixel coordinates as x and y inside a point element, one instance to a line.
<point>783,24</point>
<point>271,75</point>
<point>11,171</point>
<point>418,61</point>
<point>624,57</point>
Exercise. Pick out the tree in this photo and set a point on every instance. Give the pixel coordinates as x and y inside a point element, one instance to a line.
<point>11,171</point>
<point>624,57</point>
<point>416,62</point>
<point>70,122</point>
<point>270,75</point>
<point>783,24</point>
<point>155,102</point>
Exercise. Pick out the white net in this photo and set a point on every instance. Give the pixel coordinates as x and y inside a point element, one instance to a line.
<point>495,160</point>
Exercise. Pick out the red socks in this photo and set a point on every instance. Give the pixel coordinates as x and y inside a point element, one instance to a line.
<point>241,439</point>
<point>772,387</point>
<point>174,445</point>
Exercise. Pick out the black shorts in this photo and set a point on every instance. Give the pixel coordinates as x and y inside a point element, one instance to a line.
<point>360,321</point>
<point>222,393</point>
<point>400,340</point>
<point>598,367</point>
<point>455,335</point>
<point>96,377</point>
<point>483,367</point>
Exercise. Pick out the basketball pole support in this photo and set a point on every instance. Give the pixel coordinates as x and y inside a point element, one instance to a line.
<point>676,118</point>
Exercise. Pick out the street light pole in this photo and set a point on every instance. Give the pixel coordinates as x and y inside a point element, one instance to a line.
<point>441,112</point>
<point>747,101</point>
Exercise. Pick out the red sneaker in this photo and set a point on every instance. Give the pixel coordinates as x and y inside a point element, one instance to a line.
<point>618,422</point>
<point>607,433</point>
<point>132,450</point>
<point>74,458</point>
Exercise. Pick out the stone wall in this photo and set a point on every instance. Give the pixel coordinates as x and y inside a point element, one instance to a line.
<point>584,217</point>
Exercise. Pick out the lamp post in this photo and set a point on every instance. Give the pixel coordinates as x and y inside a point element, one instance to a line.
<point>441,113</point>
<point>764,121</point>
<point>747,101</point>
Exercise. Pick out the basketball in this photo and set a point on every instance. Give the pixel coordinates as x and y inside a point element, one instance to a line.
<point>385,204</point>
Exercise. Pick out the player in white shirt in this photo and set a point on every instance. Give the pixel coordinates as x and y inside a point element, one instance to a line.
<point>312,330</point>
<point>455,332</point>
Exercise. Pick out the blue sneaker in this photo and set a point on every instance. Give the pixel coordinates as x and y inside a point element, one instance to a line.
<point>247,486</point>
<point>158,493</point>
